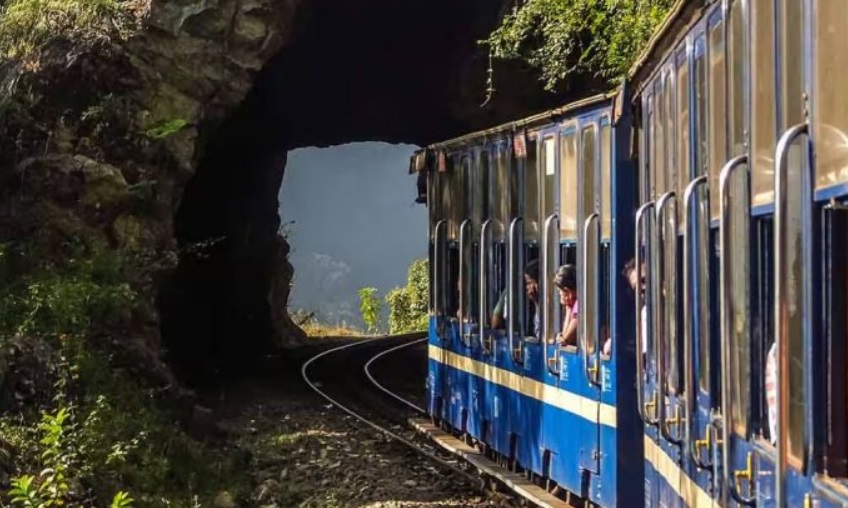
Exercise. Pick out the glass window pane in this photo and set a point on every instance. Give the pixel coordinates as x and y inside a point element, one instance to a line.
<point>670,135</point>
<point>530,204</point>
<point>717,125</point>
<point>792,62</point>
<point>669,297</point>
<point>736,79</point>
<point>479,189</point>
<point>659,143</point>
<point>683,163</point>
<point>792,306</point>
<point>501,193</point>
<point>549,182</point>
<point>648,163</point>
<point>606,181</point>
<point>700,112</point>
<point>763,102</point>
<point>831,106</point>
<point>704,292</point>
<point>738,304</point>
<point>568,186</point>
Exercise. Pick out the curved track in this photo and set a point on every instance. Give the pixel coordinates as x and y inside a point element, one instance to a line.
<point>346,376</point>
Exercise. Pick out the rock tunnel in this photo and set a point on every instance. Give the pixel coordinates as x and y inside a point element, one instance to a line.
<point>407,71</point>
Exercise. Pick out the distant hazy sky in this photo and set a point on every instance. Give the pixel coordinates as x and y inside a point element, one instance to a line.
<point>354,224</point>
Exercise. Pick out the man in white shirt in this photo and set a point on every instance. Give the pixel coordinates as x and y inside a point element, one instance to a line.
<point>629,273</point>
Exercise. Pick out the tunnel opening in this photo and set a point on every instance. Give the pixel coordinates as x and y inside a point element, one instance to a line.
<point>375,70</point>
<point>352,223</point>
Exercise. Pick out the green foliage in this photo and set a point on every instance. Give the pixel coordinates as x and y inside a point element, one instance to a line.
<point>563,37</point>
<point>88,291</point>
<point>166,129</point>
<point>102,431</point>
<point>408,306</point>
<point>370,307</point>
<point>27,26</point>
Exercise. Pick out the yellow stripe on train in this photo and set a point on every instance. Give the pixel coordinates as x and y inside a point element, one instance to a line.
<point>583,407</point>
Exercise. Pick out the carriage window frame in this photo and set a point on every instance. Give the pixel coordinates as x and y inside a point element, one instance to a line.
<point>588,166</point>
<point>659,117</point>
<point>717,106</point>
<point>568,191</point>
<point>683,136</point>
<point>736,57</point>
<point>530,195</point>
<point>605,137</point>
<point>501,192</point>
<point>763,100</point>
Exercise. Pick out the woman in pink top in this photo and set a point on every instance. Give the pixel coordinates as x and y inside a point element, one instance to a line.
<point>566,283</point>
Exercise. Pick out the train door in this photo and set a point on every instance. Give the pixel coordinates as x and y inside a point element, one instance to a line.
<point>599,281</point>
<point>438,334</point>
<point>502,404</point>
<point>809,267</point>
<point>549,309</point>
<point>480,252</point>
<point>522,321</point>
<point>738,486</point>
<point>697,310</point>
<point>644,224</point>
<point>458,179</point>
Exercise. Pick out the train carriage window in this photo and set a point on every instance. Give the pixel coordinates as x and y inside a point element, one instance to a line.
<point>683,163</point>
<point>480,189</point>
<point>587,206</point>
<point>792,63</point>
<point>530,203</point>
<point>606,180</point>
<point>501,193</point>
<point>831,108</point>
<point>763,102</point>
<point>700,110</point>
<point>448,180</point>
<point>736,51</point>
<point>717,115</point>
<point>648,160</point>
<point>549,187</point>
<point>658,168</point>
<point>671,165</point>
<point>568,186</point>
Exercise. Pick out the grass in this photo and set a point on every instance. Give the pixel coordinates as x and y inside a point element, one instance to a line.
<point>28,26</point>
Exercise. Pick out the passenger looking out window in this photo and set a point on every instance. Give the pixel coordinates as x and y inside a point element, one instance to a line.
<point>629,273</point>
<point>566,283</point>
<point>531,289</point>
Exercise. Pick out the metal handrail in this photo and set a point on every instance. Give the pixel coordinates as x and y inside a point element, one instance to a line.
<point>724,296</point>
<point>641,213</point>
<point>781,336</point>
<point>662,382</point>
<point>688,337</point>
<point>516,244</point>
<point>590,371</point>
<point>464,282</point>
<point>485,249</point>
<point>552,220</point>
<point>439,254</point>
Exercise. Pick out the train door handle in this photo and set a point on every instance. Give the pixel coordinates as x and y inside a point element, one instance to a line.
<point>745,475</point>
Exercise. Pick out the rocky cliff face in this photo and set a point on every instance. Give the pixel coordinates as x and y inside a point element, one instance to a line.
<point>171,144</point>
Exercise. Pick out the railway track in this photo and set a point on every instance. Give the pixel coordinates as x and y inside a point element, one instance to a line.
<point>379,382</point>
<point>376,381</point>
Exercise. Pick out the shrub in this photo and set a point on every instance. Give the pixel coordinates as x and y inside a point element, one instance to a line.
<point>409,305</point>
<point>370,308</point>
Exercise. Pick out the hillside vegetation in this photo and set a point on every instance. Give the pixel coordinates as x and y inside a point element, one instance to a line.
<point>567,38</point>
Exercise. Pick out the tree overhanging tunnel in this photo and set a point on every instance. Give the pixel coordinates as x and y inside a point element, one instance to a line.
<point>371,70</point>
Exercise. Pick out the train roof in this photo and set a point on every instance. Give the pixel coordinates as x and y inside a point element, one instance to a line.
<point>675,26</point>
<point>524,123</point>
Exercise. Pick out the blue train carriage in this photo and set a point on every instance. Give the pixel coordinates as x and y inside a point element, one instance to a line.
<point>742,219</point>
<point>555,188</point>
